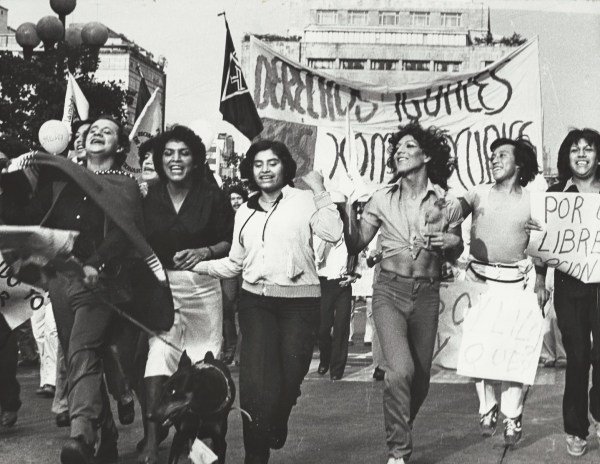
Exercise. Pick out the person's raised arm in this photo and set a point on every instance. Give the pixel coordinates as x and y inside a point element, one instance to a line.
<point>358,233</point>
<point>325,223</point>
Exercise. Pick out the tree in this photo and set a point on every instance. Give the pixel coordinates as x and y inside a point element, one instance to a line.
<point>32,92</point>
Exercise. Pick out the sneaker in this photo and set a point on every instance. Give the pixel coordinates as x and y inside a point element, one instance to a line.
<point>393,460</point>
<point>576,446</point>
<point>596,425</point>
<point>512,431</point>
<point>488,421</point>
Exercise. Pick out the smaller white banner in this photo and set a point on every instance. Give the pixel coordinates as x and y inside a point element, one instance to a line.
<point>502,337</point>
<point>570,241</point>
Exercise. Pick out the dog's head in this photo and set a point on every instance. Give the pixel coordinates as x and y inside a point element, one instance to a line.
<point>195,393</point>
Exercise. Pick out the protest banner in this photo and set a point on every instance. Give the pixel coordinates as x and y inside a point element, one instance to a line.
<point>17,299</point>
<point>309,109</point>
<point>502,337</point>
<point>456,299</point>
<point>147,125</point>
<point>570,241</point>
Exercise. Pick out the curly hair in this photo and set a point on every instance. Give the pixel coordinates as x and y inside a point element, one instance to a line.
<point>525,157</point>
<point>279,149</point>
<point>147,146</point>
<point>563,164</point>
<point>434,144</point>
<point>194,143</point>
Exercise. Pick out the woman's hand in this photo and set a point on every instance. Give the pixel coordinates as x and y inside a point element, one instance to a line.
<point>315,181</point>
<point>543,294</point>
<point>443,240</point>
<point>533,224</point>
<point>185,260</point>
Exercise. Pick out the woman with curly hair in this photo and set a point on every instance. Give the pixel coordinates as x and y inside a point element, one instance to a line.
<point>188,220</point>
<point>420,228</point>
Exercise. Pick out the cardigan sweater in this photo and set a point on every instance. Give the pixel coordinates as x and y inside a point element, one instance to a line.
<point>273,249</point>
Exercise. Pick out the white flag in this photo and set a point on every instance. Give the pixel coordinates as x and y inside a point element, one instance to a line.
<point>148,125</point>
<point>75,102</point>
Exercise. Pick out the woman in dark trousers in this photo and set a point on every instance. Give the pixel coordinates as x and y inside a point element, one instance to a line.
<point>577,304</point>
<point>280,298</point>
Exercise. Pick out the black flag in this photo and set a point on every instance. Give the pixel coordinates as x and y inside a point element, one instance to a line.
<point>143,96</point>
<point>237,106</point>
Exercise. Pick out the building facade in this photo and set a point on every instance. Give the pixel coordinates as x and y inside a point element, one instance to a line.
<point>393,43</point>
<point>221,150</point>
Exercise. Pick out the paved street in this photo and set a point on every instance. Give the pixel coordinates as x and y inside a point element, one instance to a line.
<point>342,422</point>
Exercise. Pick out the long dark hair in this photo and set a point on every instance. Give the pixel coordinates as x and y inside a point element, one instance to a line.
<point>279,149</point>
<point>563,165</point>
<point>434,144</point>
<point>525,157</point>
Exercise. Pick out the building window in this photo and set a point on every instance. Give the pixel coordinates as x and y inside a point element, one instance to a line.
<point>327,16</point>
<point>389,18</point>
<point>358,17</point>
<point>321,63</point>
<point>451,19</point>
<point>415,65</point>
<point>384,65</point>
<point>353,64</point>
<point>419,18</point>
<point>447,66</point>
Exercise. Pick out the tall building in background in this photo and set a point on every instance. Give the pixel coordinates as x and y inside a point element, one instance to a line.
<point>393,43</point>
<point>217,155</point>
<point>121,61</point>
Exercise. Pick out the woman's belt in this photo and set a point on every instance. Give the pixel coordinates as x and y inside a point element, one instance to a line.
<point>497,266</point>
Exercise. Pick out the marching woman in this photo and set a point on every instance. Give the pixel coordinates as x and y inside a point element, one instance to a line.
<point>576,303</point>
<point>280,299</point>
<point>420,227</point>
<point>187,221</point>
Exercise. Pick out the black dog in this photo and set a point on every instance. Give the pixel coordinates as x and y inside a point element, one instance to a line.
<point>197,399</point>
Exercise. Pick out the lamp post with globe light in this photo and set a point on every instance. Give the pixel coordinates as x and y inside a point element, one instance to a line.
<point>51,30</point>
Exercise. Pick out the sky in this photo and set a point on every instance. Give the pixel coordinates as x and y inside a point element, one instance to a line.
<point>191,36</point>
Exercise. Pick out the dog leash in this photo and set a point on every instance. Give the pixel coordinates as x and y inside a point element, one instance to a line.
<point>134,321</point>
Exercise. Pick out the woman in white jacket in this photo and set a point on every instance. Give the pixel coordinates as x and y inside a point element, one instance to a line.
<point>279,302</point>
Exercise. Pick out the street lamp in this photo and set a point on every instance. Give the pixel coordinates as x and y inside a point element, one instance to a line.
<point>63,8</point>
<point>27,38</point>
<point>51,30</point>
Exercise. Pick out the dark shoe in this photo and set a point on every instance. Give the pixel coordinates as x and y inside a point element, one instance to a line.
<point>107,452</point>
<point>336,377</point>
<point>47,391</point>
<point>323,368</point>
<point>255,458</point>
<point>8,418</point>
<point>126,412</point>
<point>378,374</point>
<point>367,343</point>
<point>76,451</point>
<point>63,419</point>
<point>488,421</point>
<point>513,431</point>
<point>278,436</point>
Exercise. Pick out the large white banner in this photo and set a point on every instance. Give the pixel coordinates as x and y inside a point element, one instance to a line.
<point>502,337</point>
<point>307,109</point>
<point>570,240</point>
